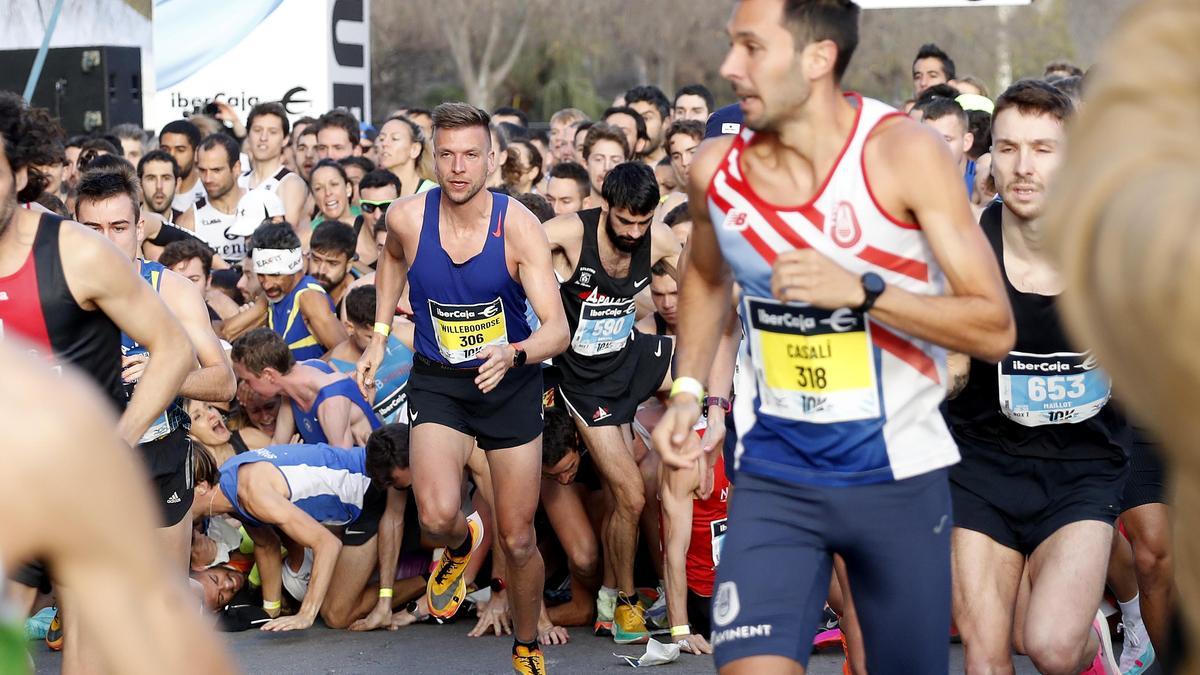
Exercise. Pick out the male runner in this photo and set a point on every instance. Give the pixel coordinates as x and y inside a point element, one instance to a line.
<point>610,368</point>
<point>303,490</point>
<point>654,107</point>
<point>268,129</point>
<point>568,188</point>
<point>179,139</point>
<point>300,311</point>
<point>330,255</point>
<point>1044,456</point>
<point>55,459</point>
<point>218,161</point>
<point>377,190</point>
<point>326,406</point>
<point>337,135</point>
<point>841,448</point>
<point>604,147</point>
<point>474,260</point>
<point>69,294</point>
<point>159,175</point>
<point>391,391</point>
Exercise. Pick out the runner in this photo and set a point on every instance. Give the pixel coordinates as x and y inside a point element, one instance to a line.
<point>214,213</point>
<point>330,256</point>
<point>1044,456</point>
<point>610,368</point>
<point>471,382</point>
<point>325,407</point>
<point>132,608</point>
<point>391,391</point>
<point>268,134</point>
<point>159,176</point>
<point>849,455</point>
<point>180,139</point>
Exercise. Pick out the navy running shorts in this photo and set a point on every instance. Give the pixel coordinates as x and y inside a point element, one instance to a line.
<point>774,574</point>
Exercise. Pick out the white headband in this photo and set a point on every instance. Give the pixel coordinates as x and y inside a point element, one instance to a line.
<point>278,260</point>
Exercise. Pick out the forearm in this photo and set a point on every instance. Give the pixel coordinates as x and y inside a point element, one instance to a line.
<point>251,317</point>
<point>269,560</point>
<point>391,534</point>
<point>214,383</point>
<point>970,325</point>
<point>720,377</point>
<point>158,386</point>
<point>389,286</point>
<point>703,312</point>
<point>325,555</point>
<point>550,339</point>
<point>677,533</point>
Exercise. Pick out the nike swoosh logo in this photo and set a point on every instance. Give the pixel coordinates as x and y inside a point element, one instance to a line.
<point>356,531</point>
<point>658,349</point>
<point>414,416</point>
<point>638,284</point>
<point>497,232</point>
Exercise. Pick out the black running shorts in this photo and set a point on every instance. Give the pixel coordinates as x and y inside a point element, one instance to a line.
<point>366,525</point>
<point>1146,474</point>
<point>169,461</point>
<point>642,372</point>
<point>505,417</point>
<point>1020,501</point>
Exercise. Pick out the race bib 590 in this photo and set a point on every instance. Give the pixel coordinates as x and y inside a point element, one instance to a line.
<point>812,365</point>
<point>464,330</point>
<point>1061,388</point>
<point>604,327</point>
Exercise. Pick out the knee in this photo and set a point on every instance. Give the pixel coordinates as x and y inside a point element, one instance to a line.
<point>630,497</point>
<point>1052,654</point>
<point>518,544</point>
<point>1151,559</point>
<point>335,617</point>
<point>583,559</point>
<point>978,662</point>
<point>438,518</point>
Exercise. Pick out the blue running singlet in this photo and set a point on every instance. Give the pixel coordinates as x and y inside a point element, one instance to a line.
<point>325,482</point>
<point>307,423</point>
<point>285,319</point>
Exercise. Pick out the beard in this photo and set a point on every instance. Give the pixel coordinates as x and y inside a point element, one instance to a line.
<point>327,283</point>
<point>623,243</point>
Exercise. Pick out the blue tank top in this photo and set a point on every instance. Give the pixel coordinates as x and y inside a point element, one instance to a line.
<point>307,423</point>
<point>286,320</point>
<point>390,390</point>
<point>174,416</point>
<point>325,482</point>
<point>459,309</point>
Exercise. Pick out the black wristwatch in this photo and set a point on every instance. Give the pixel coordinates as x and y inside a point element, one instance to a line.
<point>519,356</point>
<point>873,286</point>
<point>496,584</point>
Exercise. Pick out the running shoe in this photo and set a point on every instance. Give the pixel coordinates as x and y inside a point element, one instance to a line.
<point>447,588</point>
<point>54,635</point>
<point>38,625</point>
<point>828,633</point>
<point>1137,654</point>
<point>1104,663</point>
<point>527,661</point>
<point>656,613</point>
<point>629,623</point>
<point>606,607</point>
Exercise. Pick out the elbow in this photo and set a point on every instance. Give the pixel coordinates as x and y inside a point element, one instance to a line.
<point>1000,340</point>
<point>228,384</point>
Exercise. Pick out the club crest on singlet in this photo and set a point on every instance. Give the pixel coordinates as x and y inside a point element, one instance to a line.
<point>465,330</point>
<point>1060,388</point>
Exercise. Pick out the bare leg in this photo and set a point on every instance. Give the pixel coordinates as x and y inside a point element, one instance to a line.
<point>564,507</point>
<point>516,481</point>
<point>350,576</point>
<point>614,458</point>
<point>1122,578</point>
<point>1149,532</point>
<point>986,576</point>
<point>438,456</point>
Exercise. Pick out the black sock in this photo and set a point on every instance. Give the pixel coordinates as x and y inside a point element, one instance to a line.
<point>531,645</point>
<point>463,548</point>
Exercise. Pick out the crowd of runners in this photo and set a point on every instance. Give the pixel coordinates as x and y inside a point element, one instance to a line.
<point>455,366</point>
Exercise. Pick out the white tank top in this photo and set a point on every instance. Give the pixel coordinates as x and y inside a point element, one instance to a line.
<point>833,397</point>
<point>271,183</point>
<point>212,227</point>
<point>184,200</point>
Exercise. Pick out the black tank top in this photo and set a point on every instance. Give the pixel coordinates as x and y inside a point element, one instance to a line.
<point>1045,399</point>
<point>600,309</point>
<point>39,308</point>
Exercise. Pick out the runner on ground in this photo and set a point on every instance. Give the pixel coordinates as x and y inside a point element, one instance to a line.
<point>841,447</point>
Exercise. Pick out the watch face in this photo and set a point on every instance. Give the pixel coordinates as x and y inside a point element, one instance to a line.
<point>873,282</point>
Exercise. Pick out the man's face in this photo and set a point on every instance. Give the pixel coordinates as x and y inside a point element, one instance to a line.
<point>193,269</point>
<point>400,479</point>
<point>654,123</point>
<point>114,218</point>
<point>334,143</point>
<point>306,153</point>
<point>220,585</point>
<point>665,175</point>
<point>264,384</point>
<point>263,411</point>
<point>562,142</point>
<point>563,195</point>
<point>764,66</point>
<point>266,138</point>
<point>329,268</point>
<point>158,186</point>
<point>606,155</point>
<point>463,161</point>
<point>132,149</point>
<point>11,182</point>
<point>71,172</point>
<point>683,149</point>
<point>626,229</point>
<point>53,173</point>
<point>690,107</point>
<point>355,174</point>
<point>276,286</point>
<point>564,471</point>
<point>926,73</point>
<point>374,203</point>
<point>216,174</point>
<point>665,294</point>
<point>1026,153</point>
<point>957,137</point>
<point>580,137</point>
<point>179,147</point>
<point>628,126</point>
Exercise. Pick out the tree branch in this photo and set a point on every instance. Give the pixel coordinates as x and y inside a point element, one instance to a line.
<point>515,48</point>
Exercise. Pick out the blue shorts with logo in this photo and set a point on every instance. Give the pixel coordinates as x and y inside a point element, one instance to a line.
<point>777,557</point>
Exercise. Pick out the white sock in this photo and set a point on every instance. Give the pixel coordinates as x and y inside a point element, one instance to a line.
<point>1131,612</point>
<point>606,592</point>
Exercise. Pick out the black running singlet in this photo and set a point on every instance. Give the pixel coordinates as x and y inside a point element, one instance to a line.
<point>37,306</point>
<point>600,309</point>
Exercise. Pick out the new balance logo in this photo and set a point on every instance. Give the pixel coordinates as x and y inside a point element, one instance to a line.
<point>174,498</point>
<point>3,295</point>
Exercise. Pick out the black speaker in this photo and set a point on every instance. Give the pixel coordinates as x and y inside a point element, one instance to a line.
<point>87,88</point>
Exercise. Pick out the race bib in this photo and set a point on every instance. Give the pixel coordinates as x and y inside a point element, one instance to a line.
<point>718,529</point>
<point>604,327</point>
<point>1040,389</point>
<point>163,424</point>
<point>464,330</point>
<point>812,365</point>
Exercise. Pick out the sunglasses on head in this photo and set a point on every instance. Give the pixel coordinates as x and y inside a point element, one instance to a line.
<point>369,206</point>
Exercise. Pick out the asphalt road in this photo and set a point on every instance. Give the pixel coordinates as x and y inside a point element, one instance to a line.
<point>446,649</point>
